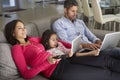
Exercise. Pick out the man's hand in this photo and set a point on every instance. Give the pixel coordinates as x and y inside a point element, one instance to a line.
<point>99,42</point>
<point>90,46</point>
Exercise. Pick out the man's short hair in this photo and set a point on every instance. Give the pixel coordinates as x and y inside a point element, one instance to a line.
<point>70,3</point>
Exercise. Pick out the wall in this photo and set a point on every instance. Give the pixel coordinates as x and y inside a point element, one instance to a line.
<point>25,4</point>
<point>0,7</point>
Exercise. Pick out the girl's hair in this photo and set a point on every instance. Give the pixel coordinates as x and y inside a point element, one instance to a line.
<point>70,3</point>
<point>45,38</point>
<point>9,30</point>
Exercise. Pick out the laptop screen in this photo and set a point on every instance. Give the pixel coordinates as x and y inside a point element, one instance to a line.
<point>110,40</point>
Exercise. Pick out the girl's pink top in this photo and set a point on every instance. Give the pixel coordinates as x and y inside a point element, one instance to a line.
<point>59,50</point>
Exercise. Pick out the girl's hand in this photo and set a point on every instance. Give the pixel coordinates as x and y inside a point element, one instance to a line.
<point>70,54</point>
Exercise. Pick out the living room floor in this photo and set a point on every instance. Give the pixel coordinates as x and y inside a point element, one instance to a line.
<point>40,11</point>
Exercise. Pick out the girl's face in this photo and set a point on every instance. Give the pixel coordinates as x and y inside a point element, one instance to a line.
<point>20,31</point>
<point>53,41</point>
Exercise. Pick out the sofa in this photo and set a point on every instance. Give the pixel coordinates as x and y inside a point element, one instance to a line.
<point>8,70</point>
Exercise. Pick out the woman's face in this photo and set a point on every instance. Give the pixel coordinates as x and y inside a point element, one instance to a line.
<point>20,31</point>
<point>53,41</point>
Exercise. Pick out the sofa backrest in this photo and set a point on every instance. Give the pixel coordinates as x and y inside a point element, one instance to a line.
<point>32,30</point>
<point>45,23</point>
<point>52,21</point>
<point>2,37</point>
<point>42,25</point>
<point>8,69</point>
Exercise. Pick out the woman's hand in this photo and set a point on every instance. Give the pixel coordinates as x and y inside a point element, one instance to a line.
<point>51,60</point>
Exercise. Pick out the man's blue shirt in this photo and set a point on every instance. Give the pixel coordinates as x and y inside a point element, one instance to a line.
<point>68,30</point>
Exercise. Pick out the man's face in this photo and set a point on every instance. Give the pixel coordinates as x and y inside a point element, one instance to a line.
<point>71,13</point>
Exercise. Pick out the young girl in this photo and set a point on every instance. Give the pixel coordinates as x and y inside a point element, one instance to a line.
<point>51,44</point>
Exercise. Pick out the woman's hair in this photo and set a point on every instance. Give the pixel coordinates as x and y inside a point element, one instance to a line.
<point>9,30</point>
<point>70,3</point>
<point>45,38</point>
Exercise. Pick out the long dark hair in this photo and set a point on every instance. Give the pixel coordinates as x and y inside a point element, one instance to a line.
<point>9,30</point>
<point>45,38</point>
<point>70,3</point>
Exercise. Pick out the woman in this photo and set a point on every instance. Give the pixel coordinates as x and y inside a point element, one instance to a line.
<point>31,58</point>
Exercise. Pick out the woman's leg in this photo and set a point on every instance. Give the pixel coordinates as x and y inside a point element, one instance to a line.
<point>97,61</point>
<point>113,64</point>
<point>113,60</point>
<point>54,75</point>
<point>115,53</point>
<point>67,71</point>
<point>58,74</point>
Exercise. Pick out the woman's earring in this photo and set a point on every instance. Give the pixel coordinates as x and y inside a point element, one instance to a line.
<point>46,44</point>
<point>13,34</point>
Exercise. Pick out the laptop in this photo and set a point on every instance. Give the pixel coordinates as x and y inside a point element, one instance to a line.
<point>111,40</point>
<point>76,44</point>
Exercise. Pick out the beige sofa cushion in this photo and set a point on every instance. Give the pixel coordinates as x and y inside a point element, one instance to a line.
<point>2,37</point>
<point>32,30</point>
<point>8,69</point>
<point>45,23</point>
<point>42,25</point>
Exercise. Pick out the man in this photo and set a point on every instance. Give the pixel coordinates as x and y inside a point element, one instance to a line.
<point>69,27</point>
